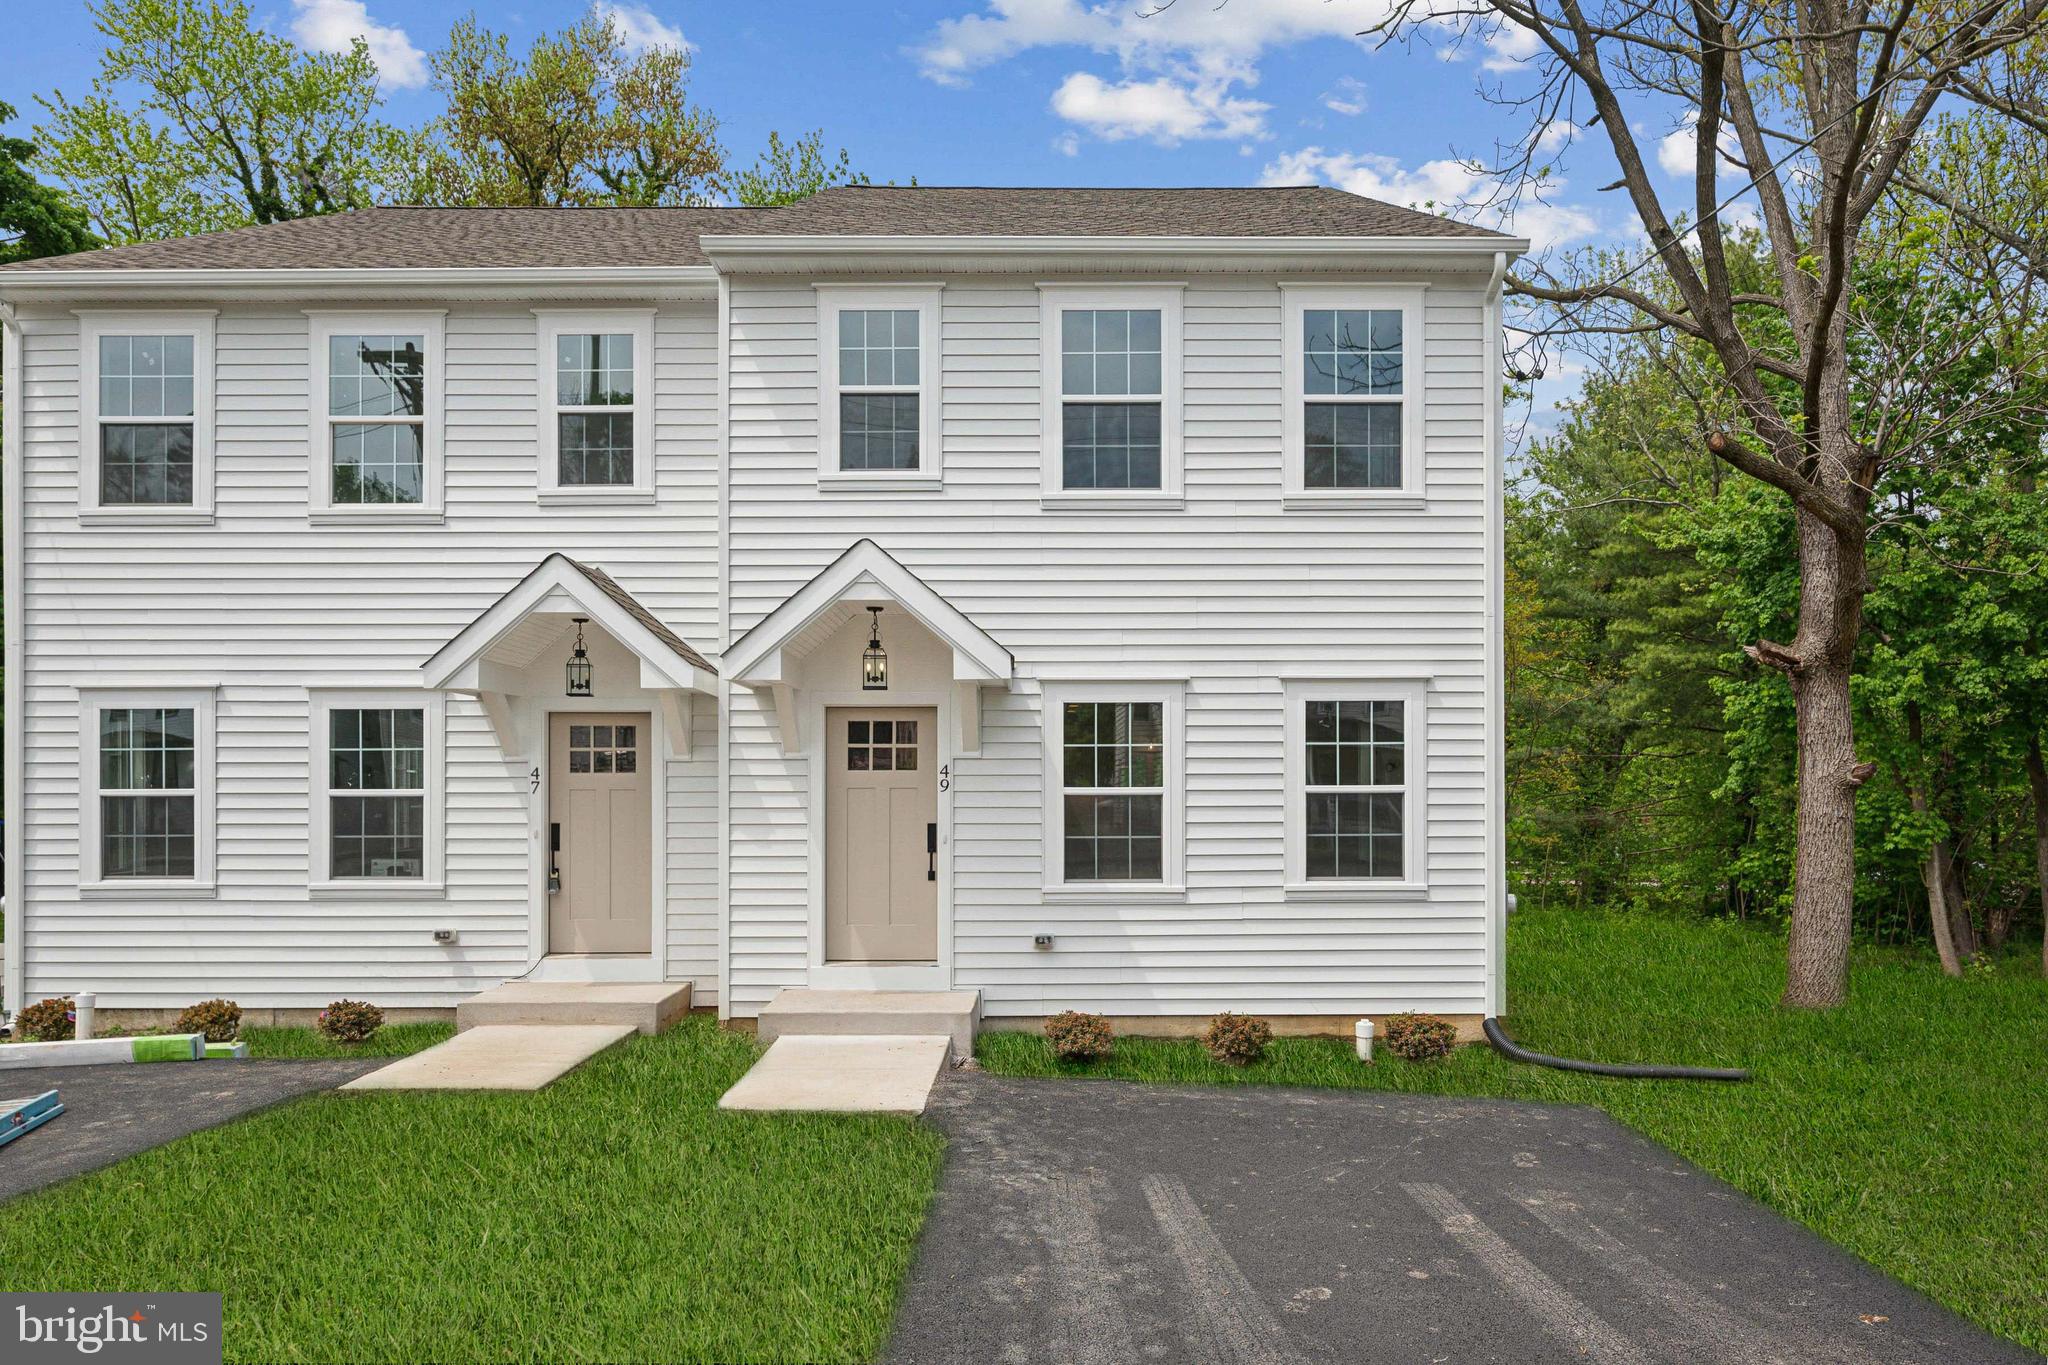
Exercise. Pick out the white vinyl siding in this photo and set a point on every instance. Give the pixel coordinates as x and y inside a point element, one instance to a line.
<point>261,610</point>
<point>1243,591</point>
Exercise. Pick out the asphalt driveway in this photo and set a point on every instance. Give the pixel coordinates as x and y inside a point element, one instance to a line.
<point>1103,1223</point>
<point>111,1112</point>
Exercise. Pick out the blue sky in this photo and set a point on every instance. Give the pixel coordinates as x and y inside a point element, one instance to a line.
<point>1026,92</point>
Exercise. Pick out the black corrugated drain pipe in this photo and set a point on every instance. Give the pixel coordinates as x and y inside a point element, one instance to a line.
<point>1509,1048</point>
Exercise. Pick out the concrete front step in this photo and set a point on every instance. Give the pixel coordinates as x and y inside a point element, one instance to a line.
<point>649,1006</point>
<point>842,1074</point>
<point>800,1012</point>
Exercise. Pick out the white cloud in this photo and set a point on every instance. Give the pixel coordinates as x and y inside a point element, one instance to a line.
<point>1509,48</point>
<point>1557,135</point>
<point>1444,186</point>
<point>1677,152</point>
<point>1067,143</point>
<point>1213,38</point>
<point>1163,109</point>
<point>641,29</point>
<point>1346,97</point>
<point>333,25</point>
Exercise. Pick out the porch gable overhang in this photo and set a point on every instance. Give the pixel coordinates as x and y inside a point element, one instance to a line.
<point>669,667</point>
<point>765,657</point>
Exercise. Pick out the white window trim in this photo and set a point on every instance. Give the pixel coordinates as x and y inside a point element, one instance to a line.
<point>321,883</point>
<point>94,324</point>
<point>93,883</point>
<point>1413,693</point>
<point>1172,694</point>
<point>834,299</point>
<point>1053,299</point>
<point>635,322</point>
<point>1297,299</point>
<point>430,325</point>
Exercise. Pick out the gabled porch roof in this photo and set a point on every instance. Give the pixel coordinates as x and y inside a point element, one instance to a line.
<point>761,657</point>
<point>488,658</point>
<point>560,585</point>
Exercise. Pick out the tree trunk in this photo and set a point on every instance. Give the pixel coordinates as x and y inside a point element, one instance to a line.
<point>2037,779</point>
<point>1824,870</point>
<point>1935,863</point>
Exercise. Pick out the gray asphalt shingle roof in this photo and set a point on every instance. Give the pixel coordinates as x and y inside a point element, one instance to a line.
<point>472,238</point>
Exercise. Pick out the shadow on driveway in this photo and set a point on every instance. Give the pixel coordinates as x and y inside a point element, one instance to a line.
<point>111,1112</point>
<point>1104,1223</point>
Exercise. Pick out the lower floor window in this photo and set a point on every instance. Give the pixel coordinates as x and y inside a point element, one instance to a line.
<point>878,430</point>
<point>1113,794</point>
<point>595,449</point>
<point>1355,794</point>
<point>1352,445</point>
<point>148,792</point>
<point>146,464</point>
<point>376,800</point>
<point>379,462</point>
<point>1110,445</point>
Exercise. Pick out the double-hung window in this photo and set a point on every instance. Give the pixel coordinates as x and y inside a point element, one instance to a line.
<point>1354,782</point>
<point>1112,393</point>
<point>377,414</point>
<point>878,400</point>
<point>376,790</point>
<point>596,429</point>
<point>1352,366</point>
<point>147,804</point>
<point>146,403</point>
<point>1113,788</point>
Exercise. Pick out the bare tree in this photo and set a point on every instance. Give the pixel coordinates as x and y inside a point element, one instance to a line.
<point>1815,106</point>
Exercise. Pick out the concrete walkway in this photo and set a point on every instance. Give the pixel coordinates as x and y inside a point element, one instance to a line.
<point>1102,1223</point>
<point>845,1074</point>
<point>497,1057</point>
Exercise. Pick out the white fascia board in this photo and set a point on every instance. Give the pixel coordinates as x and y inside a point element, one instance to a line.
<point>688,282</point>
<point>755,243</point>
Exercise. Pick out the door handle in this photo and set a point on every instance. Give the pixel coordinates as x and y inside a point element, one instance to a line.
<point>931,851</point>
<point>554,858</point>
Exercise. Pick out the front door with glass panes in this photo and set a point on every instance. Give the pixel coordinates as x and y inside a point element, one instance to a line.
<point>600,834</point>
<point>881,836</point>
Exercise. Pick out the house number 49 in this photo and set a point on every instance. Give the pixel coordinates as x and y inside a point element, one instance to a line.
<point>946,778</point>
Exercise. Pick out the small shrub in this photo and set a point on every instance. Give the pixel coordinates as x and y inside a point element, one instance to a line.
<point>351,1021</point>
<point>1419,1037</point>
<point>1235,1039</point>
<point>46,1021</point>
<point>1078,1037</point>
<point>219,1020</point>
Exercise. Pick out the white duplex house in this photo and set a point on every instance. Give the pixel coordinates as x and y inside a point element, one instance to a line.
<point>1088,598</point>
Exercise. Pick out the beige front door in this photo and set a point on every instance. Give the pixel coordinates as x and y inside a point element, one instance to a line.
<point>600,812</point>
<point>881,827</point>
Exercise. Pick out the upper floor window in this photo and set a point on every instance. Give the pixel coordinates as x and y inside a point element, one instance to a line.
<point>377,413</point>
<point>596,430</point>
<point>1112,393</point>
<point>1353,407</point>
<point>146,809</point>
<point>145,438</point>
<point>878,385</point>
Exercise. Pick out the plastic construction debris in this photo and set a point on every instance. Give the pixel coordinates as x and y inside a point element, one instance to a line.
<point>18,1116</point>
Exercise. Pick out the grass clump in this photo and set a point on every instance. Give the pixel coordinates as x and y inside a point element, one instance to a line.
<point>1904,1126</point>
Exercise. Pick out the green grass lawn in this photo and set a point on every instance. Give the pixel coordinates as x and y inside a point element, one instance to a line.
<point>1910,1126</point>
<point>615,1216</point>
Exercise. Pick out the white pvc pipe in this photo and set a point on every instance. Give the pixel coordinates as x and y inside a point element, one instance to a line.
<point>1362,1035</point>
<point>81,1012</point>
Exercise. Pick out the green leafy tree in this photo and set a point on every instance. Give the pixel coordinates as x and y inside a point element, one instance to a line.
<point>788,171</point>
<point>35,219</point>
<point>580,120</point>
<point>199,120</point>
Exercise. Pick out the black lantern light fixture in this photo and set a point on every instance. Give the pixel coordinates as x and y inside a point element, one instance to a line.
<point>579,665</point>
<point>874,664</point>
